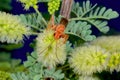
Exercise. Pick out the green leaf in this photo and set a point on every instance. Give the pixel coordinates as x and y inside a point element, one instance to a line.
<point>34,54</point>
<point>57,75</point>
<point>68,47</point>
<point>5,56</point>
<point>94,15</point>
<point>5,66</point>
<point>34,21</point>
<point>10,47</point>
<point>80,29</point>
<point>15,62</point>
<point>4,75</point>
<point>89,11</point>
<point>19,76</point>
<point>37,77</point>
<point>31,59</point>
<point>5,5</point>
<point>100,25</point>
<point>27,63</point>
<point>35,71</point>
<point>80,11</point>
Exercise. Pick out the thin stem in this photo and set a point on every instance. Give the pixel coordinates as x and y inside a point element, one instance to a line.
<point>88,10</point>
<point>66,69</point>
<point>79,18</point>
<point>63,66</point>
<point>97,17</point>
<point>75,35</point>
<point>34,27</point>
<point>41,16</point>
<point>41,70</point>
<point>75,13</point>
<point>88,18</point>
<point>34,33</point>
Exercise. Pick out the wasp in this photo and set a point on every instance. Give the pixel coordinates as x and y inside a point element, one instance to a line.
<point>58,29</point>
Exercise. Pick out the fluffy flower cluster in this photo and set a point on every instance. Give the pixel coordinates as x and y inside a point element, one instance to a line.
<point>110,43</point>
<point>88,78</point>
<point>50,51</point>
<point>11,28</point>
<point>53,5</point>
<point>87,60</point>
<point>114,62</point>
<point>29,3</point>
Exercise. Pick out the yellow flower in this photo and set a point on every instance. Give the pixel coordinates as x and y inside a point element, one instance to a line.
<point>29,3</point>
<point>50,51</point>
<point>114,62</point>
<point>88,78</point>
<point>53,5</point>
<point>87,60</point>
<point>11,28</point>
<point>110,43</point>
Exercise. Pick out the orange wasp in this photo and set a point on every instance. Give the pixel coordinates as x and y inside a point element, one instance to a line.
<point>59,29</point>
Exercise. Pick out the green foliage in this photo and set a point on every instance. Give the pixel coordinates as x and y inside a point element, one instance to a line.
<point>68,47</point>
<point>19,76</point>
<point>10,47</point>
<point>34,21</point>
<point>8,64</point>
<point>5,5</point>
<point>4,76</point>
<point>80,29</point>
<point>31,59</point>
<point>11,66</point>
<point>94,15</point>
<point>5,66</point>
<point>56,75</point>
<point>35,71</point>
<point>4,56</point>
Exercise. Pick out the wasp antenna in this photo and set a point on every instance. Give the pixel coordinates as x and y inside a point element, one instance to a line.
<point>52,19</point>
<point>51,22</point>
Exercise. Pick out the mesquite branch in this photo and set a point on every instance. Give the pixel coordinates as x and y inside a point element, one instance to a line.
<point>66,8</point>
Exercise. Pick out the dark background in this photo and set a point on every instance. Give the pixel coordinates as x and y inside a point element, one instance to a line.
<point>18,9</point>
